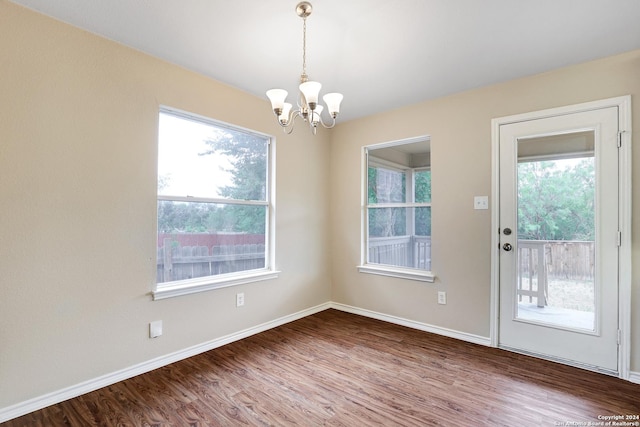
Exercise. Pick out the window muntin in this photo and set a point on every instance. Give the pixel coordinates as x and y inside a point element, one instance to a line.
<point>213,203</point>
<point>398,209</point>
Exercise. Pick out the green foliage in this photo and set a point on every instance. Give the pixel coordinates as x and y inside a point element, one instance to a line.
<point>423,195</point>
<point>388,186</point>
<point>556,203</point>
<point>386,222</point>
<point>247,155</point>
<point>185,217</point>
<point>423,186</point>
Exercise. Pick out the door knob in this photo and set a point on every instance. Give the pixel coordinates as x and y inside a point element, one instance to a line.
<point>507,247</point>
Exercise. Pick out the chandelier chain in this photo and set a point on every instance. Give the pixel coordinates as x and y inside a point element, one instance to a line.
<point>303,77</point>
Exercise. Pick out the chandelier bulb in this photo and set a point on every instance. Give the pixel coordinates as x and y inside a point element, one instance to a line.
<point>284,114</point>
<point>333,100</point>
<point>311,91</point>
<point>277,98</point>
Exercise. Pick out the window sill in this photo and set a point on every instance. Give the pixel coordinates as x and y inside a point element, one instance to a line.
<point>192,286</point>
<point>402,273</point>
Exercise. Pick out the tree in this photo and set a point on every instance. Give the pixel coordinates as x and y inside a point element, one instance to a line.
<point>389,186</point>
<point>386,186</point>
<point>247,155</point>
<point>556,202</point>
<point>184,217</point>
<point>423,195</point>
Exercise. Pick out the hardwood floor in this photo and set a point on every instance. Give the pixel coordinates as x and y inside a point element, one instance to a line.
<point>339,369</point>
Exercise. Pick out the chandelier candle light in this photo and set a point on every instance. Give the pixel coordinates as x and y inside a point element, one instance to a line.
<point>308,107</point>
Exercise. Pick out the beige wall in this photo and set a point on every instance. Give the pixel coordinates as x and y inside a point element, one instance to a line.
<point>78,136</point>
<point>78,130</point>
<point>460,129</point>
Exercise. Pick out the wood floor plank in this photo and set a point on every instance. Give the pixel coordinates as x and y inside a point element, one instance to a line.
<point>343,370</point>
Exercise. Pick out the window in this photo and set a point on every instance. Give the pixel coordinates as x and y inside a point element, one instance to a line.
<point>397,210</point>
<point>214,207</point>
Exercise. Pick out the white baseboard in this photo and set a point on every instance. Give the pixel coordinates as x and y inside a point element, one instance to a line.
<point>40,402</point>
<point>476,339</point>
<point>634,377</point>
<point>48,399</point>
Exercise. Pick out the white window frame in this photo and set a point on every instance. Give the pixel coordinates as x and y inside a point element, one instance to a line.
<point>382,269</point>
<point>202,284</point>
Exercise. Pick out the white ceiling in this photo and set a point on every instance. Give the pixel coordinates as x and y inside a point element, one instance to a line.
<point>380,54</point>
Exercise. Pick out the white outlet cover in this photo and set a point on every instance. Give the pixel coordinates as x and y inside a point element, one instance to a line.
<point>155,329</point>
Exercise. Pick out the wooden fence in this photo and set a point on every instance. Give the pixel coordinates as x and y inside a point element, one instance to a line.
<point>189,262</point>
<point>401,251</point>
<point>563,260</point>
<point>541,261</point>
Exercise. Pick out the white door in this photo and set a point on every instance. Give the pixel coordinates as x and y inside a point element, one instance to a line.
<point>559,238</point>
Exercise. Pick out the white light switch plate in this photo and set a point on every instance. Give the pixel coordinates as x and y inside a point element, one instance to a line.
<point>481,202</point>
<point>442,297</point>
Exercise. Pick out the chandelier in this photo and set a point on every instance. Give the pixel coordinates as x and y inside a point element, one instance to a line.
<point>308,107</point>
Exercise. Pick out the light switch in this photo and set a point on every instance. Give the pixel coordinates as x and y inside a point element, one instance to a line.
<point>481,202</point>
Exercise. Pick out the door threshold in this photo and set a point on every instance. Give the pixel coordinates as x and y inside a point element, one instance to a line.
<point>572,363</point>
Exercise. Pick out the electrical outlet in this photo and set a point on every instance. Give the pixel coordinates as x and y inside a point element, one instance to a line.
<point>442,297</point>
<point>240,299</point>
<point>155,329</point>
<point>481,202</point>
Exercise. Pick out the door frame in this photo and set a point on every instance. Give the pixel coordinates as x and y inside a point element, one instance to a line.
<point>623,103</point>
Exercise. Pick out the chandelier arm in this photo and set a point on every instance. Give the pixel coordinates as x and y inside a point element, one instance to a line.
<point>292,118</point>
<point>294,115</point>
<point>290,124</point>
<point>324,125</point>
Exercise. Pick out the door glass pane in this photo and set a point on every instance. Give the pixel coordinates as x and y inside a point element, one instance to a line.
<point>556,231</point>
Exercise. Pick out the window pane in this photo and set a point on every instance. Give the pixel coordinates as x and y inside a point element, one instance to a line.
<point>206,161</point>
<point>400,237</point>
<point>208,239</point>
<point>386,185</point>
<point>387,222</point>
<point>423,186</point>
<point>423,221</point>
<point>399,175</point>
